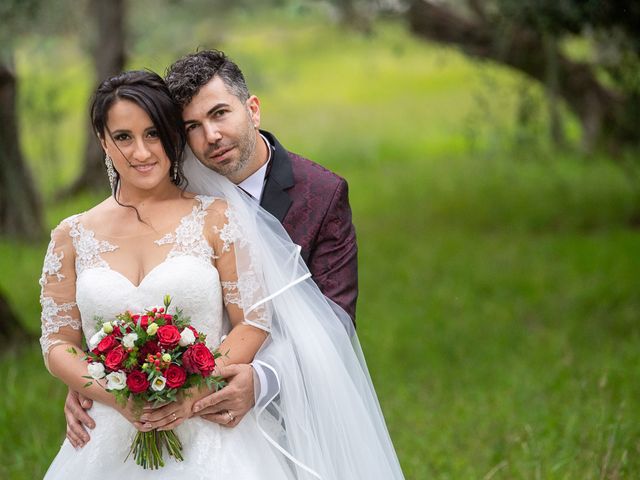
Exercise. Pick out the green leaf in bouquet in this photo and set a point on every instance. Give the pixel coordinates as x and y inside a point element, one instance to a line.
<point>99,322</point>
<point>131,361</point>
<point>122,396</point>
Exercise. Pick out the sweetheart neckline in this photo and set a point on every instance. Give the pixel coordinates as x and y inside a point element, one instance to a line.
<point>107,267</point>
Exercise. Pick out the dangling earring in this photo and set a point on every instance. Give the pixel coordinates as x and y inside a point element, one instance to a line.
<point>175,172</point>
<point>111,172</point>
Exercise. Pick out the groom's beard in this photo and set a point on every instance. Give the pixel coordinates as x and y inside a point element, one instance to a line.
<point>243,151</point>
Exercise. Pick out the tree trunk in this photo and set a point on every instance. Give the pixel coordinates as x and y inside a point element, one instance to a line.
<point>11,330</point>
<point>20,208</point>
<point>108,60</point>
<point>599,110</point>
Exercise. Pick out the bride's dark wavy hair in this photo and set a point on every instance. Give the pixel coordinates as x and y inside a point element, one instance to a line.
<point>149,91</point>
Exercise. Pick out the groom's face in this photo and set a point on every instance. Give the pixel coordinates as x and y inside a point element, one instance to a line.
<point>222,130</point>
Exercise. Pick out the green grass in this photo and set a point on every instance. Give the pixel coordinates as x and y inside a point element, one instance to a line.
<point>498,305</point>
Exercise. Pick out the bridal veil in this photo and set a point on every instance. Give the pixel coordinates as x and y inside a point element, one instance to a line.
<point>331,425</point>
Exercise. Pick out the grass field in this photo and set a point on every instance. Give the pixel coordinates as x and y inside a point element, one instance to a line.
<point>499,301</point>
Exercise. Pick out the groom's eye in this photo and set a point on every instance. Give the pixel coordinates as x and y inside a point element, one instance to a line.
<point>219,113</point>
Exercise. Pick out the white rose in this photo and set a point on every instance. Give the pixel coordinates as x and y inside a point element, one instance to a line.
<point>96,370</point>
<point>107,327</point>
<point>159,383</point>
<point>186,337</point>
<point>95,340</point>
<point>152,329</point>
<point>129,340</point>
<point>116,380</point>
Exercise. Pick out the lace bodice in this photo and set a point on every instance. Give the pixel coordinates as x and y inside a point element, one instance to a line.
<point>83,280</point>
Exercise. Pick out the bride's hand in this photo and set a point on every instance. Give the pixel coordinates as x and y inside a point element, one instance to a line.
<point>169,415</point>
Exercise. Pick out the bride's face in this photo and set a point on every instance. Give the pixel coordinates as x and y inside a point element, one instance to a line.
<point>135,147</point>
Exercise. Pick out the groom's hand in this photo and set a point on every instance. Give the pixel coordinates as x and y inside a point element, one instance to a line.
<point>228,406</point>
<point>77,418</point>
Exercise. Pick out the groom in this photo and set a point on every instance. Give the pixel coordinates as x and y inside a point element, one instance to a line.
<point>222,121</point>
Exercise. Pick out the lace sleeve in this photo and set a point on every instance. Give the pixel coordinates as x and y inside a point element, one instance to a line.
<point>239,276</point>
<point>60,316</point>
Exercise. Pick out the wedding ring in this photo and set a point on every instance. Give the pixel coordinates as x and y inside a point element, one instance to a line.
<point>231,417</point>
<point>174,416</point>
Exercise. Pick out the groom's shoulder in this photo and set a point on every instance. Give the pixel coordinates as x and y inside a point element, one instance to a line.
<point>312,175</point>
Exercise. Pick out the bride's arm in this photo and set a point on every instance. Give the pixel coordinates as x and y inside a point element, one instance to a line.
<point>240,288</point>
<point>61,325</point>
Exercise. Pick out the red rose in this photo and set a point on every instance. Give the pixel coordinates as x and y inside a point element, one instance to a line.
<point>142,319</point>
<point>198,359</point>
<point>107,344</point>
<point>115,358</point>
<point>167,318</point>
<point>148,348</point>
<point>168,336</point>
<point>137,382</point>
<point>175,376</point>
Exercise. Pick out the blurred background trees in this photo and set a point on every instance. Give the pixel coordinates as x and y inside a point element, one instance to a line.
<point>584,53</point>
<point>20,209</point>
<point>602,89</point>
<point>108,53</point>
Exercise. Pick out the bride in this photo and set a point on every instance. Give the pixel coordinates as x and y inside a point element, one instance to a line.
<point>233,270</point>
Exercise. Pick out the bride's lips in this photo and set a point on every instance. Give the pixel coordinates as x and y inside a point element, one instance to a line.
<point>144,168</point>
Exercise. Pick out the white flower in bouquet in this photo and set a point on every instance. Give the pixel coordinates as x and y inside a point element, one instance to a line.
<point>96,370</point>
<point>116,380</point>
<point>159,383</point>
<point>186,337</point>
<point>107,327</point>
<point>96,338</point>
<point>152,329</point>
<point>129,340</point>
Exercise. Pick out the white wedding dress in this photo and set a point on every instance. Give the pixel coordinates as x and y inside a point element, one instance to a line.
<point>81,282</point>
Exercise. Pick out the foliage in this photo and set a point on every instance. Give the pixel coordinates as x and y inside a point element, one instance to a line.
<point>498,307</point>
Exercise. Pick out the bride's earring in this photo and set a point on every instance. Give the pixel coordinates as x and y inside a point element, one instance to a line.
<point>111,172</point>
<point>175,172</point>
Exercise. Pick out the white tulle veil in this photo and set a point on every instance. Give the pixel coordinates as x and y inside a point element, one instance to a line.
<point>330,425</point>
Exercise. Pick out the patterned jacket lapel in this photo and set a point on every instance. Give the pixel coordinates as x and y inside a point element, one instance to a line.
<point>275,198</point>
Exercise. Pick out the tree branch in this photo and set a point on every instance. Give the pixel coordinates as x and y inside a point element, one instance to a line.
<point>524,50</point>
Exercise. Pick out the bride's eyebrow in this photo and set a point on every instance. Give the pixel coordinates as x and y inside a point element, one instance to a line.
<point>125,130</point>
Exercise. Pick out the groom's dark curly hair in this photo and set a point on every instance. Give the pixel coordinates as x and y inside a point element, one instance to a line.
<point>190,73</point>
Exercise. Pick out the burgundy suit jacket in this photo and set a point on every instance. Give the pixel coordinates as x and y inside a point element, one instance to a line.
<point>312,204</point>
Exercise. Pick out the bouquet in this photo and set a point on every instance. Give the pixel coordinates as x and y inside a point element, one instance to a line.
<point>151,356</point>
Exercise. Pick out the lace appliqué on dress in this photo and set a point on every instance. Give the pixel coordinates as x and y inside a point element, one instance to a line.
<point>52,321</point>
<point>52,264</point>
<point>188,238</point>
<point>230,233</point>
<point>88,249</point>
<point>246,291</point>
